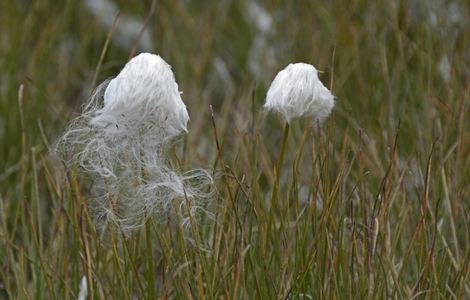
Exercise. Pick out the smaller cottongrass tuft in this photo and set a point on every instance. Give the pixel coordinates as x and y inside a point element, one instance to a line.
<point>121,143</point>
<point>297,92</point>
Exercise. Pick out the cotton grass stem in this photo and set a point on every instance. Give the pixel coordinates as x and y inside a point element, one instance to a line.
<point>220,159</point>
<point>150,262</point>
<point>142,30</point>
<point>103,51</point>
<point>280,163</point>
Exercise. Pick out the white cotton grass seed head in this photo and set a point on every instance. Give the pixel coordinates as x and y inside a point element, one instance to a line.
<point>144,91</point>
<point>120,143</point>
<point>297,92</point>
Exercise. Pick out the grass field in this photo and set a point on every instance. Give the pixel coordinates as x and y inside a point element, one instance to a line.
<point>375,204</point>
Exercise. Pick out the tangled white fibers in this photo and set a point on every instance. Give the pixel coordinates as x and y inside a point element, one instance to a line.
<point>121,142</point>
<point>297,92</point>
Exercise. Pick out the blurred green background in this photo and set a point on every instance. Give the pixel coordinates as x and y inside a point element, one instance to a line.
<point>387,60</point>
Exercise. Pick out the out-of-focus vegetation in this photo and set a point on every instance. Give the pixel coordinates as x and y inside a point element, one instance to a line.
<point>375,204</point>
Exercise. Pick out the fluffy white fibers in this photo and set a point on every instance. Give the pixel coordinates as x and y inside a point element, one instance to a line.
<point>83,291</point>
<point>121,142</point>
<point>143,92</point>
<point>297,92</point>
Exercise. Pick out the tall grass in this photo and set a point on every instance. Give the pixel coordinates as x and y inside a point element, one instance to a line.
<point>373,205</point>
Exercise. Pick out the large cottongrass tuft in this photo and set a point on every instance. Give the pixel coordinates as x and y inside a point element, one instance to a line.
<point>297,92</point>
<point>144,94</point>
<point>121,142</point>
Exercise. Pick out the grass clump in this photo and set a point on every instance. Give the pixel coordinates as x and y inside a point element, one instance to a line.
<point>373,205</point>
